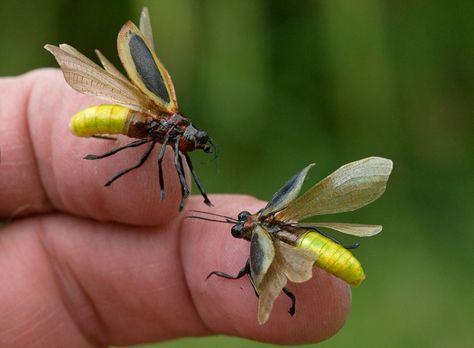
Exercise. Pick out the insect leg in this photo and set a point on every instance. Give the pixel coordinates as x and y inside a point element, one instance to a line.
<point>348,247</point>
<point>239,275</point>
<point>245,270</point>
<point>160,169</point>
<point>118,149</point>
<point>292,297</point>
<point>351,246</point>
<point>253,284</point>
<point>104,137</point>
<point>179,168</point>
<point>197,181</point>
<point>140,162</point>
<point>185,188</point>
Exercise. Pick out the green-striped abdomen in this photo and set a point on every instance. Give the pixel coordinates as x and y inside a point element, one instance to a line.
<point>101,119</point>
<point>333,257</point>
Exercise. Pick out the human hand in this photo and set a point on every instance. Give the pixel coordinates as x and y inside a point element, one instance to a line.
<point>89,266</point>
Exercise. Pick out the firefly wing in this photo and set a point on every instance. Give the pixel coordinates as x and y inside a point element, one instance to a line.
<point>109,67</point>
<point>297,264</point>
<point>86,77</point>
<point>144,69</point>
<point>287,193</point>
<point>360,230</point>
<point>269,289</point>
<point>145,28</point>
<point>262,254</point>
<point>289,263</point>
<point>350,187</point>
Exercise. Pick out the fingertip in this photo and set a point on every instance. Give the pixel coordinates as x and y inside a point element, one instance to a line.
<point>230,306</point>
<point>21,190</point>
<point>136,279</point>
<point>75,185</point>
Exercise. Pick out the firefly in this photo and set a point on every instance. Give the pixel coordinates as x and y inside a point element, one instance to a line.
<point>144,104</point>
<point>282,248</point>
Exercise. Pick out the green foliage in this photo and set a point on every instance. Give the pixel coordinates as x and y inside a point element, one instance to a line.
<point>279,86</point>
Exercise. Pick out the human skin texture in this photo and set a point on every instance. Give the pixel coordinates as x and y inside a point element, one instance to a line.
<point>82,265</point>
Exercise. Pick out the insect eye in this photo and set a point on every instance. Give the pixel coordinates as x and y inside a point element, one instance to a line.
<point>236,231</point>
<point>243,215</point>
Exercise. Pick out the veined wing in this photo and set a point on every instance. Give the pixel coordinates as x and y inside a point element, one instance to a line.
<point>360,230</point>
<point>144,69</point>
<point>350,187</point>
<point>72,51</point>
<point>106,64</point>
<point>109,67</point>
<point>289,263</point>
<point>297,264</point>
<point>145,28</point>
<point>269,289</point>
<point>287,193</point>
<point>86,77</point>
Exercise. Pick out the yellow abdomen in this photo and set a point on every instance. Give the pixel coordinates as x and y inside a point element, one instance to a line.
<point>101,119</point>
<point>333,257</point>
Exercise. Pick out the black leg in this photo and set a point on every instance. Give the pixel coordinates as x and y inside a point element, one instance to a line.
<point>140,162</point>
<point>160,169</point>
<point>118,149</point>
<point>324,234</point>
<point>185,187</point>
<point>179,168</point>
<point>241,273</point>
<point>351,246</point>
<point>348,247</point>
<point>245,270</point>
<point>292,297</point>
<point>197,181</point>
<point>104,137</point>
<point>253,284</point>
<point>312,228</point>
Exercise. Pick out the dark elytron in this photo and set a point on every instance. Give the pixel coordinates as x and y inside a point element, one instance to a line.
<point>146,68</point>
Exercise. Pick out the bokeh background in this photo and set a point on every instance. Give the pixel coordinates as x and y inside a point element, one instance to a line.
<point>279,85</point>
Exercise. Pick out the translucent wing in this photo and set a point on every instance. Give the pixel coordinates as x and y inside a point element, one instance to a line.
<point>297,264</point>
<point>144,69</point>
<point>360,230</point>
<point>351,187</point>
<point>287,193</point>
<point>262,254</point>
<point>289,263</point>
<point>71,50</point>
<point>86,77</point>
<point>269,289</point>
<point>109,67</point>
<point>145,28</point>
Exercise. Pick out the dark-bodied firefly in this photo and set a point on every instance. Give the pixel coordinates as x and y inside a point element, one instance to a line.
<point>283,249</point>
<point>146,107</point>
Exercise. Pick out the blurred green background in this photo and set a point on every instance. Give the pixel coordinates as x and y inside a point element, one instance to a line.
<point>280,85</point>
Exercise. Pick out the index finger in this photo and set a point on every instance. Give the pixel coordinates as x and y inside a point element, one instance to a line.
<point>72,280</point>
<point>42,167</point>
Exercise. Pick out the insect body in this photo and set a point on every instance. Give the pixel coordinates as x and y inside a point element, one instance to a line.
<point>146,106</point>
<point>283,249</point>
<point>332,257</point>
<point>103,119</point>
